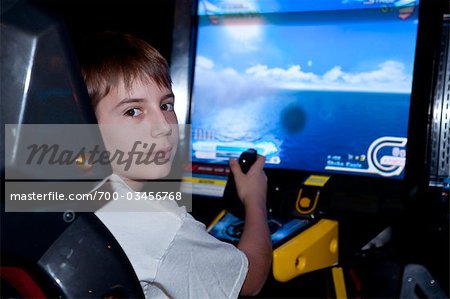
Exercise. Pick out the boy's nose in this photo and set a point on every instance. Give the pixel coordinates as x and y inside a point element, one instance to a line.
<point>161,129</point>
<point>159,125</point>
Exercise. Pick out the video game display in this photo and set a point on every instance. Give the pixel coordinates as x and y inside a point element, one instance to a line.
<point>313,85</point>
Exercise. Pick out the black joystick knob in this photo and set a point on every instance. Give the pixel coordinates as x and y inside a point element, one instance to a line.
<point>230,196</point>
<point>247,159</point>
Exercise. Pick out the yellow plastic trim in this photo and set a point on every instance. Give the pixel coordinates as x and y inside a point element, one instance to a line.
<point>218,217</point>
<point>313,249</point>
<point>205,181</point>
<point>339,283</point>
<point>316,180</point>
<point>299,198</point>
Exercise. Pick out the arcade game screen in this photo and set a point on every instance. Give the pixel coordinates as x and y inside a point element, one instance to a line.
<point>320,86</point>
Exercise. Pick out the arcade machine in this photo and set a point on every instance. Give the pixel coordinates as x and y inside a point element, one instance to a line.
<point>47,253</point>
<point>337,96</point>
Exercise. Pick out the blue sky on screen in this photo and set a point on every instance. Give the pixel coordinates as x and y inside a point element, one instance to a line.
<point>373,52</point>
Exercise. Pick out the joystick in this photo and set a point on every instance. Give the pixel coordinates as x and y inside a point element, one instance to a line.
<point>231,199</point>
<point>247,159</point>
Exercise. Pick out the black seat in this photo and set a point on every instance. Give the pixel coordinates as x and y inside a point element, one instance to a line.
<point>58,254</point>
<point>72,256</point>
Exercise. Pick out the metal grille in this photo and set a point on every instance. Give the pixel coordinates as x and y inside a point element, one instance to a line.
<point>440,126</point>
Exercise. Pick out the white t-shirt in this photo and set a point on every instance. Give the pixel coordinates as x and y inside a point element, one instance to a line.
<point>171,253</point>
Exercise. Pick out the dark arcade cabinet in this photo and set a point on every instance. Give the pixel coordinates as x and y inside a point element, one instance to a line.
<point>388,196</point>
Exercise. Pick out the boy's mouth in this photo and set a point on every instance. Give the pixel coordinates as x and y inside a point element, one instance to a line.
<point>161,155</point>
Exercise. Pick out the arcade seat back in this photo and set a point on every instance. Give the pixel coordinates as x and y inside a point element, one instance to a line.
<point>58,254</point>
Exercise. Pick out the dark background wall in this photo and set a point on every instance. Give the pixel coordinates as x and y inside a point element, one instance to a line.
<point>151,20</point>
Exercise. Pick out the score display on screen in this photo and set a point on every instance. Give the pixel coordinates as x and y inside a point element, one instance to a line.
<point>319,86</point>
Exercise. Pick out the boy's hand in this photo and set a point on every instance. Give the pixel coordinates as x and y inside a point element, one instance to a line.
<point>252,186</point>
<point>255,241</point>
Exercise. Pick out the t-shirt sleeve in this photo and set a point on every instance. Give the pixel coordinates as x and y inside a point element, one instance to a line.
<point>197,265</point>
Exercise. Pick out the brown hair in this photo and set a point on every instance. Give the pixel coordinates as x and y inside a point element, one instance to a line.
<point>108,57</point>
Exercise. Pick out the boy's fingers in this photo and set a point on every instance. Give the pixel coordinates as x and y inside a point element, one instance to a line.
<point>259,163</point>
<point>260,160</point>
<point>235,167</point>
<point>257,166</point>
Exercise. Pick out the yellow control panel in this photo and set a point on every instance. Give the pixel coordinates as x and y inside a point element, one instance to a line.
<point>313,249</point>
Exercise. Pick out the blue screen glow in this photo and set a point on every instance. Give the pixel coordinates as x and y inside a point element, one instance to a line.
<point>324,90</point>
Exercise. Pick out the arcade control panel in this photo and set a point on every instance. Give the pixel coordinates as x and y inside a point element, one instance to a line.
<point>290,210</point>
<point>304,238</point>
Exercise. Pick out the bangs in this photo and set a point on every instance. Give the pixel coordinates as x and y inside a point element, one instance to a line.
<point>113,58</point>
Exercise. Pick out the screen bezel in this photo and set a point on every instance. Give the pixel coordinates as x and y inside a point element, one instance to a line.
<point>415,172</point>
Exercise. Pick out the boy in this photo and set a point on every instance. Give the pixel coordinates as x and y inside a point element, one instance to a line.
<point>172,254</point>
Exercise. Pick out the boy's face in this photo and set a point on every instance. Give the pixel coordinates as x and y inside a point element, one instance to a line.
<point>140,123</point>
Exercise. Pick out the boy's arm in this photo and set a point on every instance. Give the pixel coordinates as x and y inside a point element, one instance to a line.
<point>255,241</point>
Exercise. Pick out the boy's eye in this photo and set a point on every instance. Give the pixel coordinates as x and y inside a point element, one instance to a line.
<point>167,107</point>
<point>133,112</point>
